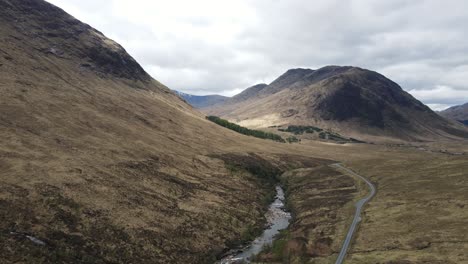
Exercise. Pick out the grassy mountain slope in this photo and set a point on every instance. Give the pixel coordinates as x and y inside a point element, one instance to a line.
<point>106,165</point>
<point>458,113</point>
<point>353,101</point>
<point>103,163</point>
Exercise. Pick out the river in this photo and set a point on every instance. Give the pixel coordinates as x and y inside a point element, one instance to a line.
<point>277,218</point>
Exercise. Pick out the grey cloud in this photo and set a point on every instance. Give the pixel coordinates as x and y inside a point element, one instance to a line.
<point>422,45</point>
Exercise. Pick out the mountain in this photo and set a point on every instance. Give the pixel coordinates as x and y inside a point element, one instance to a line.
<point>350,100</point>
<point>202,101</point>
<point>248,93</point>
<point>100,163</point>
<point>458,113</point>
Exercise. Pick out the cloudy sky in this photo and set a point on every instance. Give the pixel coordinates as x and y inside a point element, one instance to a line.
<point>215,46</point>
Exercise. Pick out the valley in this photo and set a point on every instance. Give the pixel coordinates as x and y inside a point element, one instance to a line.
<point>102,163</point>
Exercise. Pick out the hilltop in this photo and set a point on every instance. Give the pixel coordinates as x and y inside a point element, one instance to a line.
<point>353,101</point>
<point>458,113</point>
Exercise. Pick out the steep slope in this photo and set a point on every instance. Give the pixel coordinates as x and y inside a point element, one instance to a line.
<point>458,113</point>
<point>248,93</point>
<point>354,101</point>
<point>202,101</point>
<point>100,163</point>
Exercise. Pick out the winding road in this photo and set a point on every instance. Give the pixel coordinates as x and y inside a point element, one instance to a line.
<point>357,214</point>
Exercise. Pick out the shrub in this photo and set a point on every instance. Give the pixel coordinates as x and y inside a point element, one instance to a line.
<point>292,139</point>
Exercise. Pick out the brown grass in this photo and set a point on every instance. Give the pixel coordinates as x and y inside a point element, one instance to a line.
<point>418,214</point>
<point>107,169</point>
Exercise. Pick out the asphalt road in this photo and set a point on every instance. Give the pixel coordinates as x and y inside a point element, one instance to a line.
<point>357,214</point>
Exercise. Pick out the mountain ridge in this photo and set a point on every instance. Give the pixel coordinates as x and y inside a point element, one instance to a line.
<point>202,101</point>
<point>348,99</point>
<point>458,113</point>
<point>248,93</point>
<point>101,162</point>
<point>97,53</point>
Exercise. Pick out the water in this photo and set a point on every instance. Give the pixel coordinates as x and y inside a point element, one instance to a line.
<point>277,218</point>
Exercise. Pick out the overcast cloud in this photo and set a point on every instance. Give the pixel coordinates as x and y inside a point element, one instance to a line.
<point>215,46</point>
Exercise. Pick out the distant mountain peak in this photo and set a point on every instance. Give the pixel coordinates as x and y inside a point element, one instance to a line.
<point>298,71</point>
<point>249,93</point>
<point>201,101</point>
<point>260,85</point>
<point>182,94</point>
<point>458,113</point>
<point>346,98</point>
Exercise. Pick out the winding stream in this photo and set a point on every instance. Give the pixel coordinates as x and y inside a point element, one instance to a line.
<point>277,219</point>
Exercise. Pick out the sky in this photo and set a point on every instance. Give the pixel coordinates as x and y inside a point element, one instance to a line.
<point>224,46</point>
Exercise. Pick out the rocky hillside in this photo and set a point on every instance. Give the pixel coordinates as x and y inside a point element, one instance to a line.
<point>202,101</point>
<point>55,34</point>
<point>247,93</point>
<point>100,163</point>
<point>350,100</point>
<point>458,113</point>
